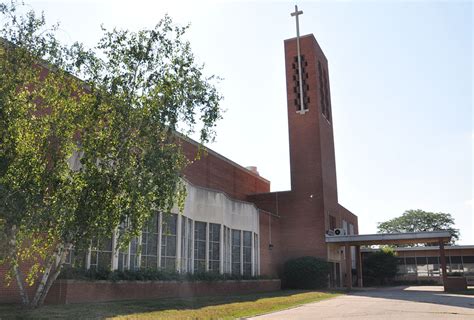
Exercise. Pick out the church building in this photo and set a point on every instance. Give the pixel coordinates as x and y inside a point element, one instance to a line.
<point>231,222</point>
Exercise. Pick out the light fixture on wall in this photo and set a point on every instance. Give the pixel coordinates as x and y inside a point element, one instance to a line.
<point>270,246</point>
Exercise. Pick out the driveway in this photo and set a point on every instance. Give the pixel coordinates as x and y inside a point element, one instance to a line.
<point>400,303</point>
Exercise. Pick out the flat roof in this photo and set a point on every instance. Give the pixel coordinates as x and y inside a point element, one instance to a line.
<point>391,238</point>
<point>426,248</point>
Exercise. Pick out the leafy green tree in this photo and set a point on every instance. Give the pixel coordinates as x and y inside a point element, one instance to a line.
<point>88,137</point>
<point>419,220</point>
<point>380,267</point>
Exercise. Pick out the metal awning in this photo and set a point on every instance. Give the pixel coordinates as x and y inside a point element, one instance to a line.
<point>391,238</point>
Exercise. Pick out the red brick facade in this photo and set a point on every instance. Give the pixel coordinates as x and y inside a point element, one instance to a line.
<point>72,291</point>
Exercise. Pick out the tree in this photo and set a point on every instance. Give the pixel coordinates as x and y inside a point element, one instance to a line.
<point>380,267</point>
<point>419,220</point>
<point>88,137</point>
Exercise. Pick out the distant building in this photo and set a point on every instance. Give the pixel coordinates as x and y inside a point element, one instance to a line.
<point>423,263</point>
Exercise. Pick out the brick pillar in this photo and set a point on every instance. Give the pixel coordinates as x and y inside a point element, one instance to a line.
<point>360,283</point>
<point>348,266</point>
<point>442,260</point>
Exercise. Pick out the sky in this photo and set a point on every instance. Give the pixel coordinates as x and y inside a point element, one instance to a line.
<point>401,77</point>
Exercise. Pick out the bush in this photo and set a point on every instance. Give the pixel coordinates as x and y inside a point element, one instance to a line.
<point>379,268</point>
<point>306,273</point>
<point>148,275</point>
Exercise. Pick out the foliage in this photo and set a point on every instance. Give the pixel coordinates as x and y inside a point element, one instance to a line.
<point>379,267</point>
<point>419,220</point>
<point>149,275</point>
<point>88,137</point>
<point>306,273</point>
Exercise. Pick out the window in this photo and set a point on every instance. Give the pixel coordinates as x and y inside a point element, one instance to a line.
<point>101,254</point>
<point>189,240</point>
<point>199,246</point>
<point>410,265</point>
<point>149,249</point>
<point>214,247</point>
<point>186,244</point>
<point>401,265</point>
<point>168,242</point>
<point>76,258</point>
<point>433,266</point>
<point>468,265</point>
<point>421,267</point>
<point>236,246</point>
<point>255,253</point>
<point>227,250</point>
<point>134,246</point>
<point>247,253</point>
<point>456,264</point>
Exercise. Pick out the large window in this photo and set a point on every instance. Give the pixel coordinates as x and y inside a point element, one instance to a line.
<point>256,256</point>
<point>227,250</point>
<point>236,246</point>
<point>199,246</point>
<point>168,242</point>
<point>186,244</point>
<point>433,266</point>
<point>410,265</point>
<point>421,267</point>
<point>150,234</point>
<point>247,253</point>
<point>101,254</point>
<point>214,247</point>
<point>468,264</point>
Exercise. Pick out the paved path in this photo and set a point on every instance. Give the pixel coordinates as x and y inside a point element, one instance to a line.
<point>400,303</point>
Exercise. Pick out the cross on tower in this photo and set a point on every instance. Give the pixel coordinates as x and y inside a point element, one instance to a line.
<point>296,14</point>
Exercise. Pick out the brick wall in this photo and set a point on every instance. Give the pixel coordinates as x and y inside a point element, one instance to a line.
<point>214,171</point>
<point>270,245</point>
<point>74,291</point>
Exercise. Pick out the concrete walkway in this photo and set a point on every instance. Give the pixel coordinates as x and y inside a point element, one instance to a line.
<point>400,303</point>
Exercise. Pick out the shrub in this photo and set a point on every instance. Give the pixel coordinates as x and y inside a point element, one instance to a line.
<point>148,275</point>
<point>306,273</point>
<point>379,268</point>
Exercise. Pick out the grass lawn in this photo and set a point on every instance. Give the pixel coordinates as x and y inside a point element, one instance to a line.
<point>227,307</point>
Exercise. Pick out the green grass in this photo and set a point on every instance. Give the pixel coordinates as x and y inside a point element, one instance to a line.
<point>228,307</point>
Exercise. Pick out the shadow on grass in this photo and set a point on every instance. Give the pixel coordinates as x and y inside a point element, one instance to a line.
<point>129,307</point>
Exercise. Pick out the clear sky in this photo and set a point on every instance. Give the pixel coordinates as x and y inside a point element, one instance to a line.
<point>401,77</point>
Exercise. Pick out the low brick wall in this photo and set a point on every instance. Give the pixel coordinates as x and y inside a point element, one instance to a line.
<point>78,291</point>
<point>454,284</point>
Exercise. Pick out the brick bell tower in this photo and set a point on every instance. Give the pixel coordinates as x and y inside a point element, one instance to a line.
<point>311,140</point>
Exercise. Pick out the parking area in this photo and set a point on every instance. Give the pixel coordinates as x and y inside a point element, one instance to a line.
<point>405,303</point>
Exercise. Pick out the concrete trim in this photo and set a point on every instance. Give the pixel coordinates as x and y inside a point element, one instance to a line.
<point>229,197</point>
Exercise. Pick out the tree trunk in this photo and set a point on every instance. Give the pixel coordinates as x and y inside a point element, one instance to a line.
<point>16,270</point>
<point>51,274</point>
<point>57,270</point>
<point>19,280</point>
<point>44,279</point>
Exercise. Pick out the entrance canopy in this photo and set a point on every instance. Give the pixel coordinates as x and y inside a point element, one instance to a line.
<point>439,237</point>
<point>391,238</point>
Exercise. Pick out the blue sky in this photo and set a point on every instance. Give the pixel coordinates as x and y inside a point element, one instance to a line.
<point>401,85</point>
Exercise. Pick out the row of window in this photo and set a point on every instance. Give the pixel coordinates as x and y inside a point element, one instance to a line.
<point>202,247</point>
<point>430,266</point>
